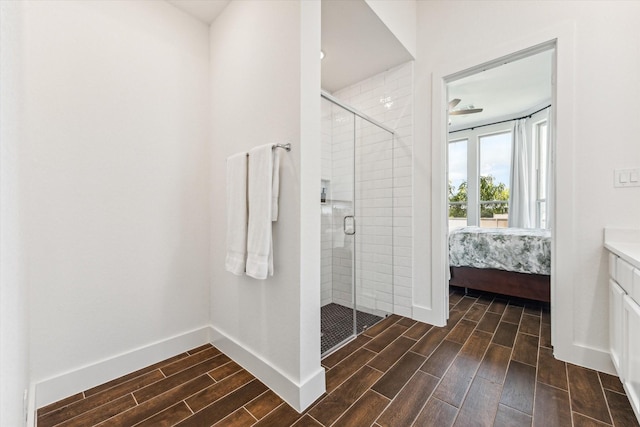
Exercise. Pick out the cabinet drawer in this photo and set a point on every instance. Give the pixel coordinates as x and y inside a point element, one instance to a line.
<point>612,266</point>
<point>624,275</point>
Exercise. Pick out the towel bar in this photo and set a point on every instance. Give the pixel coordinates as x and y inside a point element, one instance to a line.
<point>286,147</point>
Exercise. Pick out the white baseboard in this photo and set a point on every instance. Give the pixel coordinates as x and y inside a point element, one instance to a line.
<point>297,395</point>
<point>72,382</point>
<point>31,407</point>
<point>588,357</point>
<point>426,315</point>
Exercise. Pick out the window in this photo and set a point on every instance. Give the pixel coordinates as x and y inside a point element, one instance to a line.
<point>479,174</point>
<point>495,169</point>
<point>458,184</point>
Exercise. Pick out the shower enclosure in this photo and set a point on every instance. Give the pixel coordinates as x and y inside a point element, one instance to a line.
<point>357,223</point>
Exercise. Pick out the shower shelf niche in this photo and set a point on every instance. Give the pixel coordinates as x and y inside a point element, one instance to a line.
<point>324,190</point>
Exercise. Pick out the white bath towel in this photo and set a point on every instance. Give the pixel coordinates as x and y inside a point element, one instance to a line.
<point>275,185</point>
<point>259,235</point>
<point>236,213</point>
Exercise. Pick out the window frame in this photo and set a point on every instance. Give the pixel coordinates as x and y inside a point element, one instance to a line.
<point>449,203</point>
<point>473,137</point>
<point>540,177</point>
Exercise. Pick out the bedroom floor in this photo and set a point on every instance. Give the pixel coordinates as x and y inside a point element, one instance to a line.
<point>492,365</point>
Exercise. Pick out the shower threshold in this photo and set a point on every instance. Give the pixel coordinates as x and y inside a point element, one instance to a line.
<point>336,324</point>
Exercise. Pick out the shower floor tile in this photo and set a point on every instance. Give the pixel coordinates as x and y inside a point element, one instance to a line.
<point>336,324</point>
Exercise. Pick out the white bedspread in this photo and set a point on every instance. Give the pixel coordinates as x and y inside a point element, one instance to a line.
<point>523,250</point>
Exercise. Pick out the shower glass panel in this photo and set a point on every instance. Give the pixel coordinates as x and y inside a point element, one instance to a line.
<point>357,225</point>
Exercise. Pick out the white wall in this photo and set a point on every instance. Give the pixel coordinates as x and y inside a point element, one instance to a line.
<point>602,63</point>
<point>265,88</point>
<point>115,167</point>
<point>14,342</point>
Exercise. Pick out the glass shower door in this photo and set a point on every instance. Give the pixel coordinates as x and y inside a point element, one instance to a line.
<point>374,199</point>
<point>337,200</point>
<point>357,224</point>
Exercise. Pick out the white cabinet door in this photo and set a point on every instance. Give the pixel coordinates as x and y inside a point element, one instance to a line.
<point>631,349</point>
<point>616,300</point>
<point>624,275</point>
<point>636,285</point>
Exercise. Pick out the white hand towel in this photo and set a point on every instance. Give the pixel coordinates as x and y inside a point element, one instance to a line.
<point>259,236</point>
<point>236,213</point>
<point>275,187</point>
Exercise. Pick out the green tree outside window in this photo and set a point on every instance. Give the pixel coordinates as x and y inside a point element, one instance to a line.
<point>497,194</point>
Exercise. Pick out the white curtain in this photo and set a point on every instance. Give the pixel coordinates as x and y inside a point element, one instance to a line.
<point>521,196</point>
<point>550,168</point>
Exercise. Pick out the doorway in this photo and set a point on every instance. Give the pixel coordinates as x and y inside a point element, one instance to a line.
<point>498,163</point>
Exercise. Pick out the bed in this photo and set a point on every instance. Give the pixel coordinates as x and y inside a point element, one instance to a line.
<point>508,261</point>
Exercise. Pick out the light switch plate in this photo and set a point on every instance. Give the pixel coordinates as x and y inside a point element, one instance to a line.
<point>626,178</point>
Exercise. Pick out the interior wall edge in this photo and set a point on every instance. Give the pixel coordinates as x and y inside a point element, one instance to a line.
<point>298,395</point>
<point>584,355</point>
<point>310,181</point>
<point>14,294</point>
<point>427,315</point>
<point>32,409</point>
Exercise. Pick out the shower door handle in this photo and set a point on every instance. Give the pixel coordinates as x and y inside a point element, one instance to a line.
<point>351,230</point>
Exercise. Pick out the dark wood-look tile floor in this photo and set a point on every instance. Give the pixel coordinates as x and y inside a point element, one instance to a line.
<point>491,365</point>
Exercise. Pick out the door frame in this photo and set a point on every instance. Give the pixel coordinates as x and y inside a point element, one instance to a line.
<point>440,138</point>
<point>430,296</point>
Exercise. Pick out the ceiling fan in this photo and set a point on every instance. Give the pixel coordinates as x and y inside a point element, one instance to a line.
<point>470,109</point>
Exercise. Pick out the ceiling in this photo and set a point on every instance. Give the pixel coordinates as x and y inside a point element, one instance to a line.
<point>356,43</point>
<point>512,90</point>
<point>204,10</point>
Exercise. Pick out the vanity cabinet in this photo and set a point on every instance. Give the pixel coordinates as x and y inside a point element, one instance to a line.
<point>616,318</point>
<point>624,325</point>
<point>631,351</point>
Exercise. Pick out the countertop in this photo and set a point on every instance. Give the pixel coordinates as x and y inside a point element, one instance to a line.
<point>625,243</point>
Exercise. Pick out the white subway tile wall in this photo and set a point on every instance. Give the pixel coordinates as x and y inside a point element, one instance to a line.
<point>383,194</point>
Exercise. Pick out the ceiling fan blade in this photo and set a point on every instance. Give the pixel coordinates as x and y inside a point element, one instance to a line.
<point>467,111</point>
<point>454,102</point>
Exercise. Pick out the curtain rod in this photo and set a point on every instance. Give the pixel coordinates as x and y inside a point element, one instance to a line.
<point>528,116</point>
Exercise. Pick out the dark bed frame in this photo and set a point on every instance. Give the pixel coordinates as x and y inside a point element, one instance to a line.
<point>531,286</point>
